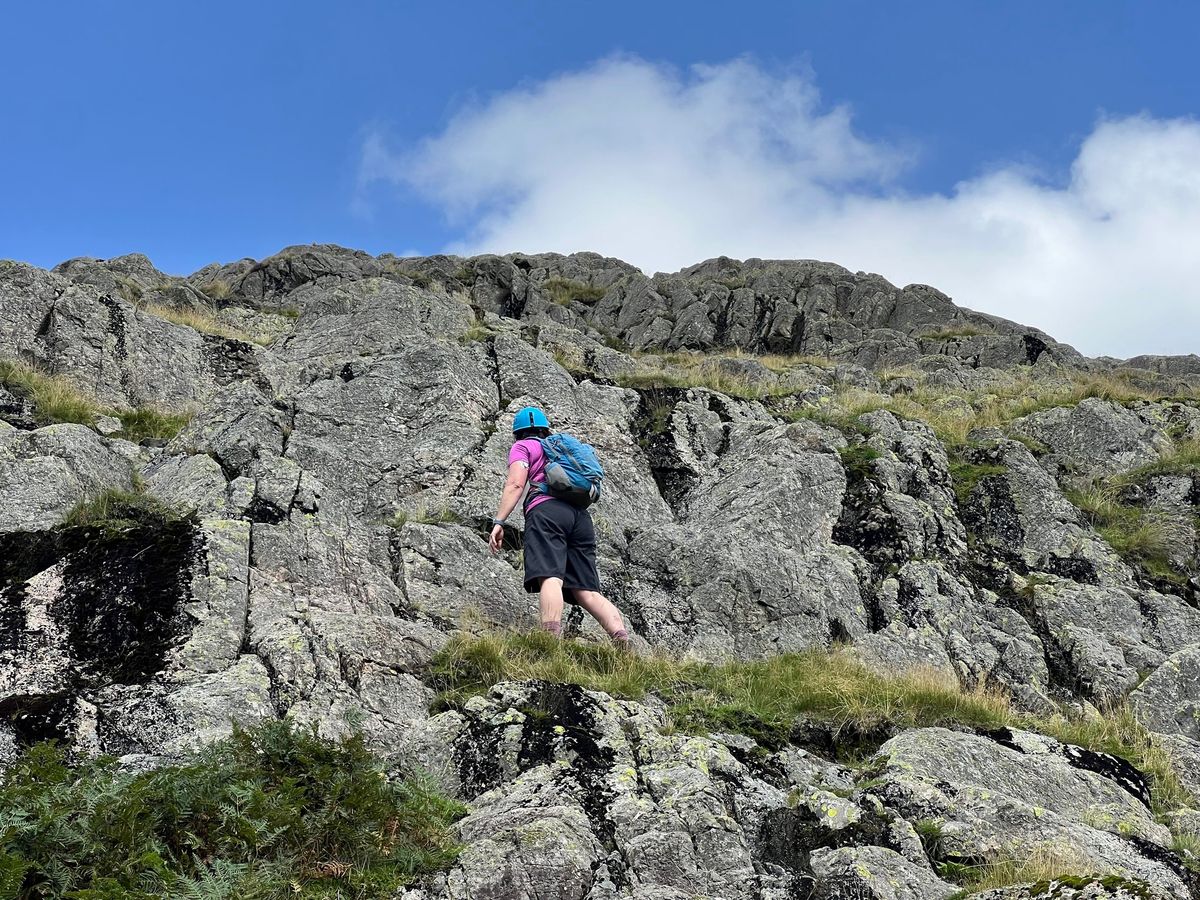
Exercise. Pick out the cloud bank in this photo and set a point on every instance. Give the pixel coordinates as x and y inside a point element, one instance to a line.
<point>665,168</point>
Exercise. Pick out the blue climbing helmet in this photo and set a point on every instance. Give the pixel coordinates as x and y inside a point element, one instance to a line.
<point>530,417</point>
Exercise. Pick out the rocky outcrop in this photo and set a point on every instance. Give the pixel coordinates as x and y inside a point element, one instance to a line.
<point>325,538</point>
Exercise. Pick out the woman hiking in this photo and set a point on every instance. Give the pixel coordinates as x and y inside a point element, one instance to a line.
<point>560,540</point>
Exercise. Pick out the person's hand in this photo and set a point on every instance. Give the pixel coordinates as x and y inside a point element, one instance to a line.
<point>496,538</point>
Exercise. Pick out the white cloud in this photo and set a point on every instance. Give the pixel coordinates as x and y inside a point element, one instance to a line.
<point>665,169</point>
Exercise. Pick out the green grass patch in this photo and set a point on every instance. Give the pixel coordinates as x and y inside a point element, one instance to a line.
<point>1183,459</point>
<point>564,292</point>
<point>764,698</point>
<point>1142,537</point>
<point>967,475</point>
<point>858,460</point>
<point>147,423</point>
<point>57,400</point>
<point>476,332</point>
<point>115,510</point>
<point>959,331</point>
<point>273,811</point>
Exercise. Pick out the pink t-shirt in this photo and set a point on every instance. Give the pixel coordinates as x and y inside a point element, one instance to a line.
<point>530,451</point>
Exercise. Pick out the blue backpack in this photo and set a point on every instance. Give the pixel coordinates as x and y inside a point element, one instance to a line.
<point>573,471</point>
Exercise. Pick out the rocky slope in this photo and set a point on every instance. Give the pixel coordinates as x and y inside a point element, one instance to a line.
<point>348,419</point>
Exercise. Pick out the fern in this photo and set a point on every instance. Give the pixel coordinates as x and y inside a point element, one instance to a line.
<point>272,811</point>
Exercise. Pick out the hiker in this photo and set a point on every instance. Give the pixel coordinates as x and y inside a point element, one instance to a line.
<point>560,540</point>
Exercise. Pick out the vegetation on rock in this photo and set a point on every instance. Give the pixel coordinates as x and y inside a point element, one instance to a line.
<point>273,811</point>
<point>57,399</point>
<point>764,698</point>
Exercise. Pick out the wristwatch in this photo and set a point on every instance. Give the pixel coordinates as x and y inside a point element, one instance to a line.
<point>499,521</point>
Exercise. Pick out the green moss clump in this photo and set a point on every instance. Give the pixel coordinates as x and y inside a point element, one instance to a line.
<point>272,811</point>
<point>967,475</point>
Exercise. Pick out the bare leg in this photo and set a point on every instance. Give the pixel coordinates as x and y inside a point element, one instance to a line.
<point>550,599</point>
<point>603,611</point>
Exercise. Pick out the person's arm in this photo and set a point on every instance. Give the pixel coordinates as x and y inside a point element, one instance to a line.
<point>514,487</point>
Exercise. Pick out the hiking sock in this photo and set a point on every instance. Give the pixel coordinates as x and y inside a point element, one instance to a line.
<point>555,628</point>
<point>620,639</point>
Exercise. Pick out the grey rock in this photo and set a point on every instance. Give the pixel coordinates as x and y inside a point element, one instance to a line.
<point>108,425</point>
<point>1021,791</point>
<point>1169,700</point>
<point>874,873</point>
<point>188,483</point>
<point>1096,437</point>
<point>45,473</point>
<point>701,586</point>
<point>607,804</point>
<point>1098,888</point>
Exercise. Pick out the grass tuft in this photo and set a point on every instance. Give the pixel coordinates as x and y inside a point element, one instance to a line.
<point>1041,867</point>
<point>767,695</point>
<point>858,460</point>
<point>957,331</point>
<point>764,698</point>
<point>115,510</point>
<point>1142,537</point>
<point>967,475</point>
<point>203,321</point>
<point>217,289</point>
<point>564,292</point>
<point>57,400</point>
<point>272,811</point>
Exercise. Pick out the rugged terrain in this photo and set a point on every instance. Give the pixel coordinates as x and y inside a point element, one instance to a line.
<point>260,491</point>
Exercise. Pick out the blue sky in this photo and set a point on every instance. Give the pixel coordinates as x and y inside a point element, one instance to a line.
<point>202,132</point>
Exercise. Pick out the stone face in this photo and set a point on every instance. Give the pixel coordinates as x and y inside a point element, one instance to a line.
<point>1012,792</point>
<point>1097,437</point>
<point>45,473</point>
<point>875,873</point>
<point>1169,700</point>
<point>333,488</point>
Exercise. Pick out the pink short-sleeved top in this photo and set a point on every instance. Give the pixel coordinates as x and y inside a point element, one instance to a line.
<point>529,451</point>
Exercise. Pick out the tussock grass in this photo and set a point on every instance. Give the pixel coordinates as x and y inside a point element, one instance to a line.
<point>564,291</point>
<point>204,321</point>
<point>57,400</point>
<point>273,811</point>
<point>476,332</point>
<point>217,289</point>
<point>954,414</point>
<point>116,510</point>
<point>710,377</point>
<point>1143,537</point>
<point>146,423</point>
<point>955,331</point>
<point>1040,867</point>
<point>1182,459</point>
<point>1119,733</point>
<point>763,698</point>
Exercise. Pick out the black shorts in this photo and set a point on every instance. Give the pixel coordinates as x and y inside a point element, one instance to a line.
<point>560,542</point>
